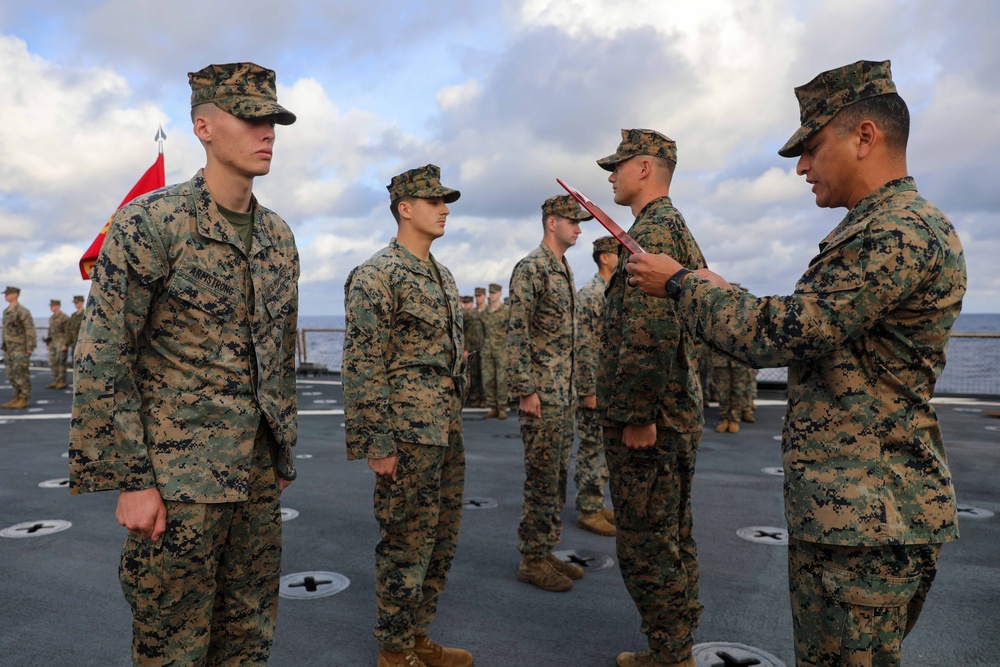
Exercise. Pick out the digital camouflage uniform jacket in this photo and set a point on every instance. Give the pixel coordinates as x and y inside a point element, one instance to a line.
<point>541,329</point>
<point>589,320</point>
<point>404,373</point>
<point>174,371</point>
<point>864,337</point>
<point>58,330</point>
<point>18,329</point>
<point>649,369</point>
<point>494,323</point>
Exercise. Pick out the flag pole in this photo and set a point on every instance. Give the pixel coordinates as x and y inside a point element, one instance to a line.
<point>160,136</point>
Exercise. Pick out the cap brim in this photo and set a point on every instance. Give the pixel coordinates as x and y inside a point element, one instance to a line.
<point>580,216</point>
<point>447,194</point>
<point>608,163</point>
<point>254,108</point>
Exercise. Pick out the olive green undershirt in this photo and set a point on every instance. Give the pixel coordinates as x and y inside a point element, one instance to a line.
<point>242,224</point>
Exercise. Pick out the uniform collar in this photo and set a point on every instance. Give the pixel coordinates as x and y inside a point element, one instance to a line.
<point>857,217</point>
<point>212,224</point>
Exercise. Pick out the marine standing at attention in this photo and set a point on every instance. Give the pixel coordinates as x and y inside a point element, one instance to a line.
<point>494,354</point>
<point>19,340</point>
<point>184,396</point>
<point>405,381</point>
<point>57,342</point>
<point>868,495</point>
<point>75,322</point>
<point>649,397</point>
<point>541,343</point>
<point>591,473</point>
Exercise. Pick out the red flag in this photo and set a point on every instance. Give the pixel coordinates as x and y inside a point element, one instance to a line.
<point>153,178</point>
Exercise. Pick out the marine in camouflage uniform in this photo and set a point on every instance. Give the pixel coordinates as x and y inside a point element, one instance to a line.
<point>405,381</point>
<point>494,354</point>
<point>184,396</point>
<point>729,376</point>
<point>541,343</point>
<point>649,396</point>
<point>474,338</point>
<point>75,322</point>
<point>591,472</point>
<point>868,495</point>
<point>19,339</point>
<point>57,342</point>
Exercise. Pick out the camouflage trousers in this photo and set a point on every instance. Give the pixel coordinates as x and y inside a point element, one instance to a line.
<point>494,369</point>
<point>18,372</point>
<point>591,472</point>
<point>548,443</point>
<point>651,491</point>
<point>476,393</point>
<point>57,362</point>
<point>730,383</point>
<point>852,606</point>
<point>419,517</point>
<point>207,593</point>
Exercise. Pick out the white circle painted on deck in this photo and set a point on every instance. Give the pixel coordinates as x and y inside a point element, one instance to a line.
<point>35,528</point>
<point>764,535</point>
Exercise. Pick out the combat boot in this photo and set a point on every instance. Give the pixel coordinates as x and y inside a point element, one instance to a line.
<point>9,404</point>
<point>570,570</point>
<point>399,659</point>
<point>51,385</point>
<point>502,414</point>
<point>19,403</point>
<point>650,659</point>
<point>540,572</point>
<point>435,655</point>
<point>609,515</point>
<point>747,416</point>
<point>734,427</point>
<point>59,385</point>
<point>723,426</point>
<point>492,414</point>
<point>596,523</point>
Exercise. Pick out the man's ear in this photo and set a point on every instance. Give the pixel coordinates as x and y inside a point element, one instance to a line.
<point>868,136</point>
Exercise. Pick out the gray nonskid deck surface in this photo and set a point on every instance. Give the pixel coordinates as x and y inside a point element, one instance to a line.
<point>60,603</point>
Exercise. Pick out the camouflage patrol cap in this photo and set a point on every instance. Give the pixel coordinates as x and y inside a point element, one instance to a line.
<point>466,299</point>
<point>606,244</point>
<point>422,182</point>
<point>245,90</point>
<point>12,290</point>
<point>78,298</point>
<point>566,207</point>
<point>55,302</point>
<point>495,288</point>
<point>480,291</point>
<point>831,91</point>
<point>641,142</point>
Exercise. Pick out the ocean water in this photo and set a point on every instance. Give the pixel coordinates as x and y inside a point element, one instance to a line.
<point>973,364</point>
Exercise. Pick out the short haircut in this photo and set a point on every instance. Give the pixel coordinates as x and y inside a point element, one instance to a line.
<point>205,109</point>
<point>889,113</point>
<point>597,255</point>
<point>394,206</point>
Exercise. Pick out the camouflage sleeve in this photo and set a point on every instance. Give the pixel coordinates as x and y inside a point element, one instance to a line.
<point>845,292</point>
<point>650,338</point>
<point>29,330</point>
<point>107,438</point>
<point>523,285</point>
<point>369,308</point>
<point>290,414</point>
<point>586,347</point>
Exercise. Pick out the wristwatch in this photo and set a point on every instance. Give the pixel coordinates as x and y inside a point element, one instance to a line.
<point>674,283</point>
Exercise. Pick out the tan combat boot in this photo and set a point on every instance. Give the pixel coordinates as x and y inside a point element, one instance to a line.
<point>538,571</point>
<point>596,523</point>
<point>747,416</point>
<point>9,403</point>
<point>399,659</point>
<point>435,655</point>
<point>59,385</point>
<point>18,403</point>
<point>734,427</point>
<point>51,385</point>
<point>570,570</point>
<point>650,659</point>
<point>502,414</point>
<point>723,426</point>
<point>492,414</point>
<point>609,515</point>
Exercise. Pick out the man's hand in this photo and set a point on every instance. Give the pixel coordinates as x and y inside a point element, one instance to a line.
<point>531,406</point>
<point>384,467</point>
<point>639,436</point>
<point>589,402</point>
<point>142,512</point>
<point>283,484</point>
<point>650,272</point>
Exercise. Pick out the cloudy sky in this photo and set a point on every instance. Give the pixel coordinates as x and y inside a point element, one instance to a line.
<point>504,95</point>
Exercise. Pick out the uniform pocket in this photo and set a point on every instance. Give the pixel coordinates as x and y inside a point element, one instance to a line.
<point>868,611</point>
